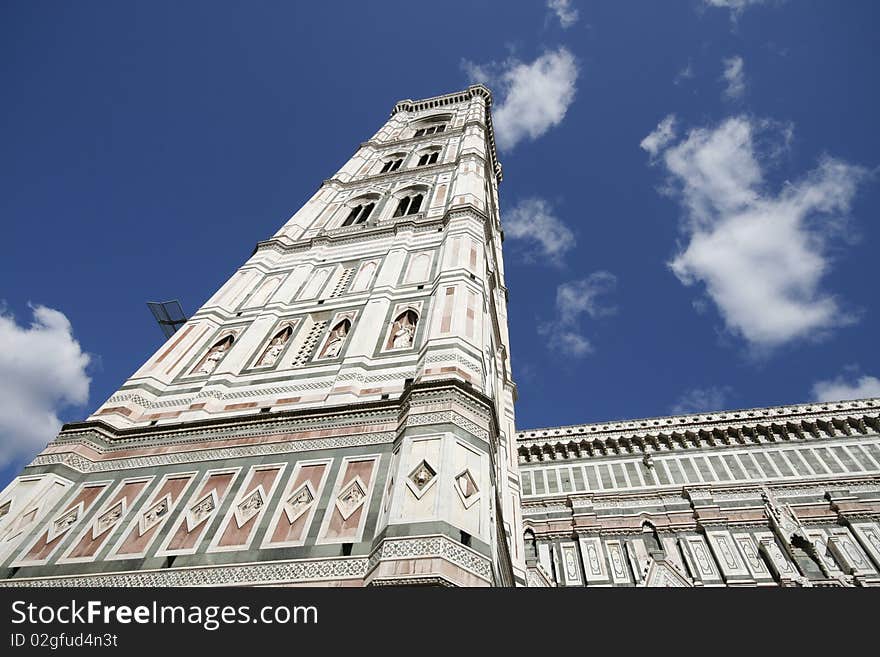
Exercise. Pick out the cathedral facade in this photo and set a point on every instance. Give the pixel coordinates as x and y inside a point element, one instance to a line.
<point>341,413</point>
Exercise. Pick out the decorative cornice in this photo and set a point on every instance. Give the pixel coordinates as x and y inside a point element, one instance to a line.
<point>740,427</point>
<point>393,175</point>
<point>366,232</point>
<point>280,421</point>
<point>83,464</point>
<point>432,546</point>
<point>445,100</point>
<point>271,572</point>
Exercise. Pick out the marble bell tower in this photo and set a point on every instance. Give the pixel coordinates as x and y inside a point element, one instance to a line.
<point>339,412</point>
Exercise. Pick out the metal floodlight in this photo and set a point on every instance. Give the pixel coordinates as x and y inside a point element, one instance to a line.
<point>169,315</point>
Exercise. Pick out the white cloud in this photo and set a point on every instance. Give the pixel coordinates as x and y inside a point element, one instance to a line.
<point>701,400</point>
<point>735,7</point>
<point>566,14</point>
<point>684,74</point>
<point>42,369</point>
<point>761,255</point>
<point>660,136</point>
<point>841,388</point>
<point>734,77</point>
<point>533,221</point>
<point>534,97</point>
<point>574,299</point>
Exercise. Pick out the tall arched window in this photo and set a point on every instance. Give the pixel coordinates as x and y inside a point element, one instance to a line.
<point>392,165</point>
<point>430,130</point>
<point>409,204</point>
<point>651,537</point>
<point>359,214</point>
<point>428,158</point>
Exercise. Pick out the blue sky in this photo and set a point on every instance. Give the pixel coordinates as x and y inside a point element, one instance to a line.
<point>690,188</point>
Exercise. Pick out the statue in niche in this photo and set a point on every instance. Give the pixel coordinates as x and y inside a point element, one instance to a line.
<point>214,356</point>
<point>403,330</point>
<point>337,338</point>
<point>273,351</point>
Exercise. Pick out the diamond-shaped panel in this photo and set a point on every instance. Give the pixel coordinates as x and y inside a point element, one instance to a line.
<point>201,510</point>
<point>351,498</point>
<point>250,506</point>
<point>298,503</point>
<point>467,489</point>
<point>422,475</point>
<point>109,518</point>
<point>154,515</point>
<point>64,522</point>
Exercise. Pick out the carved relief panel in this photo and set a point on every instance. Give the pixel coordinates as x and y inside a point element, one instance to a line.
<point>727,555</point>
<point>298,504</point>
<point>109,517</point>
<point>27,500</point>
<point>247,509</point>
<point>569,559</point>
<point>61,523</point>
<point>151,516</point>
<point>347,511</point>
<point>199,512</point>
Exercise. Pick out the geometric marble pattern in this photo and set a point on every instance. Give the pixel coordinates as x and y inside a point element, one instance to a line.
<point>250,505</point>
<point>351,498</point>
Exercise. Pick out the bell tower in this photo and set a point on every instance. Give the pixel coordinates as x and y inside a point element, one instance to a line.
<point>340,411</point>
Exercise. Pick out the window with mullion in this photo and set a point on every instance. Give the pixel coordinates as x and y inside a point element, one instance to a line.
<point>409,205</point>
<point>428,158</point>
<point>359,214</point>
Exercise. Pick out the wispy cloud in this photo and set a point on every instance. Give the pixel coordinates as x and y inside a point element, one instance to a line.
<point>42,370</point>
<point>734,78</point>
<point>534,97</point>
<point>849,385</point>
<point>701,400</point>
<point>762,256</point>
<point>545,235</point>
<point>735,7</point>
<point>685,73</point>
<point>660,136</point>
<point>575,299</point>
<point>566,14</point>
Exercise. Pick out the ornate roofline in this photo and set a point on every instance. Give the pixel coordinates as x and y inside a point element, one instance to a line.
<point>444,100</point>
<point>725,428</point>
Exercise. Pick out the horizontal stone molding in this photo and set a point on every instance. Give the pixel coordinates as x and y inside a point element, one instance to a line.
<point>82,464</point>
<point>732,428</point>
<point>393,549</point>
<point>273,572</point>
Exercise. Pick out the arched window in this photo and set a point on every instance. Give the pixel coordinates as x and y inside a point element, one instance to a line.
<point>359,214</point>
<point>651,537</point>
<point>215,354</point>
<point>276,345</point>
<point>403,331</point>
<point>430,130</point>
<point>392,165</point>
<point>428,158</point>
<point>409,204</point>
<point>336,340</point>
